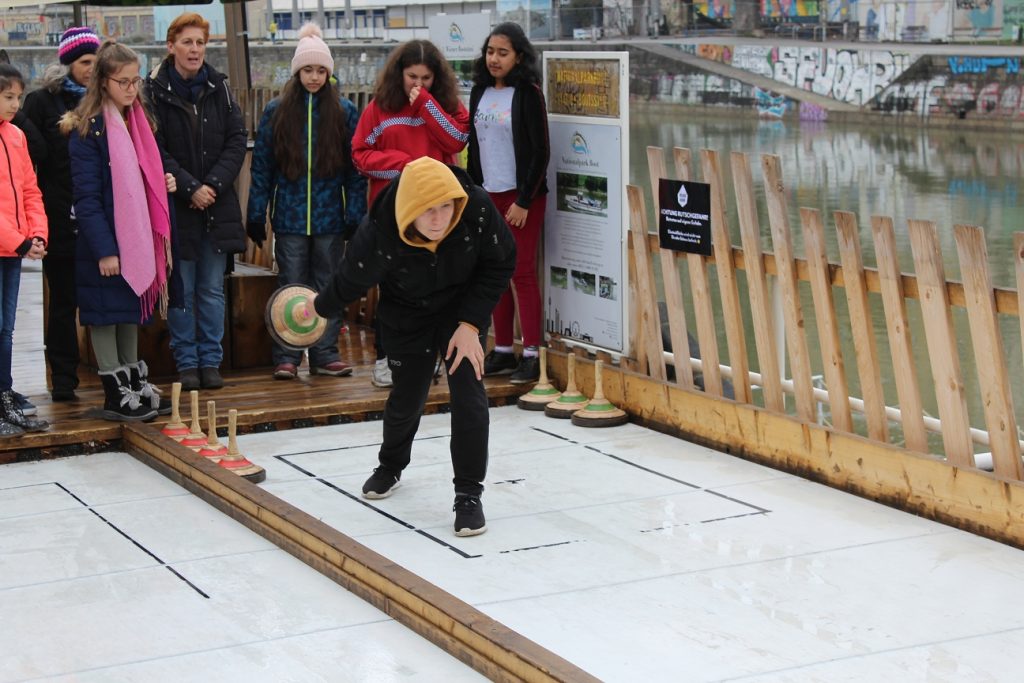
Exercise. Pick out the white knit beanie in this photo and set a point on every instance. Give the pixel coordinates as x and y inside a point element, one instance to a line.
<point>312,50</point>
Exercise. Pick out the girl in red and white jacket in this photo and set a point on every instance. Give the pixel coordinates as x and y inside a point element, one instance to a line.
<point>415,112</point>
<point>23,232</point>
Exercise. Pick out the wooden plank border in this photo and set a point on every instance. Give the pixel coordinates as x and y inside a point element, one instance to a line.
<point>460,629</point>
<point>728,288</point>
<point>782,241</point>
<point>703,306</point>
<point>989,354</point>
<point>674,306</point>
<point>833,364</point>
<point>757,284</point>
<point>863,329</point>
<point>940,336</point>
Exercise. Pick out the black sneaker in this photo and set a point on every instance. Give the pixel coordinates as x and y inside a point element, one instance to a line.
<point>527,371</point>
<point>27,407</point>
<point>189,378</point>
<point>469,516</point>
<point>210,378</point>
<point>381,484</point>
<point>499,363</point>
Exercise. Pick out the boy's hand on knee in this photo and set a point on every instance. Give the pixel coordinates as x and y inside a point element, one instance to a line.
<point>466,342</point>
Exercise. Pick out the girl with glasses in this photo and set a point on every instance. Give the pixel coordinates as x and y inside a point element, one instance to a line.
<point>123,253</point>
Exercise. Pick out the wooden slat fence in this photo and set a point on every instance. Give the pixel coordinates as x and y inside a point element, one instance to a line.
<point>864,291</point>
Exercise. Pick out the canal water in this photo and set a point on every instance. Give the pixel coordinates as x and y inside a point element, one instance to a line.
<point>903,171</point>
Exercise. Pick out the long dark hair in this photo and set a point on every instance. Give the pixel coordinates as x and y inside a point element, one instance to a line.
<point>390,92</point>
<point>525,71</point>
<point>333,150</point>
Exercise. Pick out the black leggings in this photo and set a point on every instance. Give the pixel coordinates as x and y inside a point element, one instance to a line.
<point>412,375</point>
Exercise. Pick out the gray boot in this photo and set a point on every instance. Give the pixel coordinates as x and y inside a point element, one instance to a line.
<point>10,412</point>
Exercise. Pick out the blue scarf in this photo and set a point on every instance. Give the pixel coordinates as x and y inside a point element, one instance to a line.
<point>73,88</point>
<point>187,89</point>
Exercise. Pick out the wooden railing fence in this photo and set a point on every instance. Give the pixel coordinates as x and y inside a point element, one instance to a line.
<point>714,285</point>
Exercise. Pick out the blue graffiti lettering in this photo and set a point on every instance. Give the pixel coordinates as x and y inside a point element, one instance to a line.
<point>980,65</point>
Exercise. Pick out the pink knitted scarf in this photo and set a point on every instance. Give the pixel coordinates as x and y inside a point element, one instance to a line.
<point>141,218</point>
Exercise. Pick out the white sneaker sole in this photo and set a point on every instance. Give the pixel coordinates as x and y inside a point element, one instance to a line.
<point>373,495</point>
<point>471,532</point>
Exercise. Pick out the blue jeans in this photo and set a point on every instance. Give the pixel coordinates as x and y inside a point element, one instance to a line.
<point>10,283</point>
<point>309,260</point>
<point>197,329</point>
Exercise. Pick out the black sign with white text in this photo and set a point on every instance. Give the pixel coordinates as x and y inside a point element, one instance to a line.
<point>685,220</point>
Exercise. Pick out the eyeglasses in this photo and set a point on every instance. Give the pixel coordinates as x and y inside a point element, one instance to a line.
<point>127,83</point>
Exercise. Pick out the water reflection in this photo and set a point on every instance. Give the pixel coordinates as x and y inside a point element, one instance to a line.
<point>902,171</point>
<point>906,172</point>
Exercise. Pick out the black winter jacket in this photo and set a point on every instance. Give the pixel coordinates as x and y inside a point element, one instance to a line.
<point>210,153</point>
<point>425,295</point>
<point>529,140</point>
<point>44,110</point>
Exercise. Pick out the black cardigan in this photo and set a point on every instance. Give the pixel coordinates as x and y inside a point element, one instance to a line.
<point>529,140</point>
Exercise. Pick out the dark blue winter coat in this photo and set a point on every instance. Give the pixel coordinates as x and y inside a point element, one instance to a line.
<point>338,203</point>
<point>101,300</point>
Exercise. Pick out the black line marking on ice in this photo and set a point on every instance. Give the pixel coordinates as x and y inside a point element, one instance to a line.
<point>537,547</point>
<point>134,542</point>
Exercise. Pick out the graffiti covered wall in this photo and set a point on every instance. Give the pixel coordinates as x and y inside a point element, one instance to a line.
<point>853,76</point>
<point>884,81</point>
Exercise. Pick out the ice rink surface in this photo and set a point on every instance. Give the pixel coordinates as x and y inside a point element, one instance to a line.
<point>635,555</point>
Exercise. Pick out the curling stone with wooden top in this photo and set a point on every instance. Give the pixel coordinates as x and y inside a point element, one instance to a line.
<point>543,392</point>
<point>175,428</point>
<point>291,319</point>
<point>214,449</point>
<point>195,439</point>
<point>599,412</point>
<point>234,461</point>
<point>571,399</point>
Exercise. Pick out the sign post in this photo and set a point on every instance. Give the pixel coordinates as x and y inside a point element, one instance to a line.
<point>585,292</point>
<point>459,36</point>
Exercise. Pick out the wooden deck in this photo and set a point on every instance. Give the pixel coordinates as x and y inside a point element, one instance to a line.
<point>263,403</point>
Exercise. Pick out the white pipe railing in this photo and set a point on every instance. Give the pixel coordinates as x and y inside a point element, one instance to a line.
<point>932,424</point>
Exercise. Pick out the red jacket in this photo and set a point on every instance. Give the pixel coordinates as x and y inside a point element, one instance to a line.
<point>385,142</point>
<point>22,216</point>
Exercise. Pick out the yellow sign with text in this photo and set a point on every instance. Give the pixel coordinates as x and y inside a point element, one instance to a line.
<point>584,87</point>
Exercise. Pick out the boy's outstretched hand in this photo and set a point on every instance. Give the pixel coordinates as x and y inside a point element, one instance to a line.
<point>466,341</point>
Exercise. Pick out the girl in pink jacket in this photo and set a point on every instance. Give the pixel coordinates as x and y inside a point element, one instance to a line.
<point>22,235</point>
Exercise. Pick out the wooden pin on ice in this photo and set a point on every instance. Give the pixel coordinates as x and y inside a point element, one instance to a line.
<point>543,392</point>
<point>195,439</point>
<point>571,399</point>
<point>599,411</point>
<point>214,449</point>
<point>235,461</point>
<point>175,428</point>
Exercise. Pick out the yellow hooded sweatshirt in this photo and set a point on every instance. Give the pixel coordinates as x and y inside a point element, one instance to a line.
<point>425,183</point>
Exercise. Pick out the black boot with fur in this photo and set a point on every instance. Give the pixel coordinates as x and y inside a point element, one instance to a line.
<point>149,393</point>
<point>121,403</point>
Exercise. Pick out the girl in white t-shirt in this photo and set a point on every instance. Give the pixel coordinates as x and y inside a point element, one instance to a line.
<point>508,156</point>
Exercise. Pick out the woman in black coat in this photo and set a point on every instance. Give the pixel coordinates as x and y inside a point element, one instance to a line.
<point>202,134</point>
<point>63,87</point>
